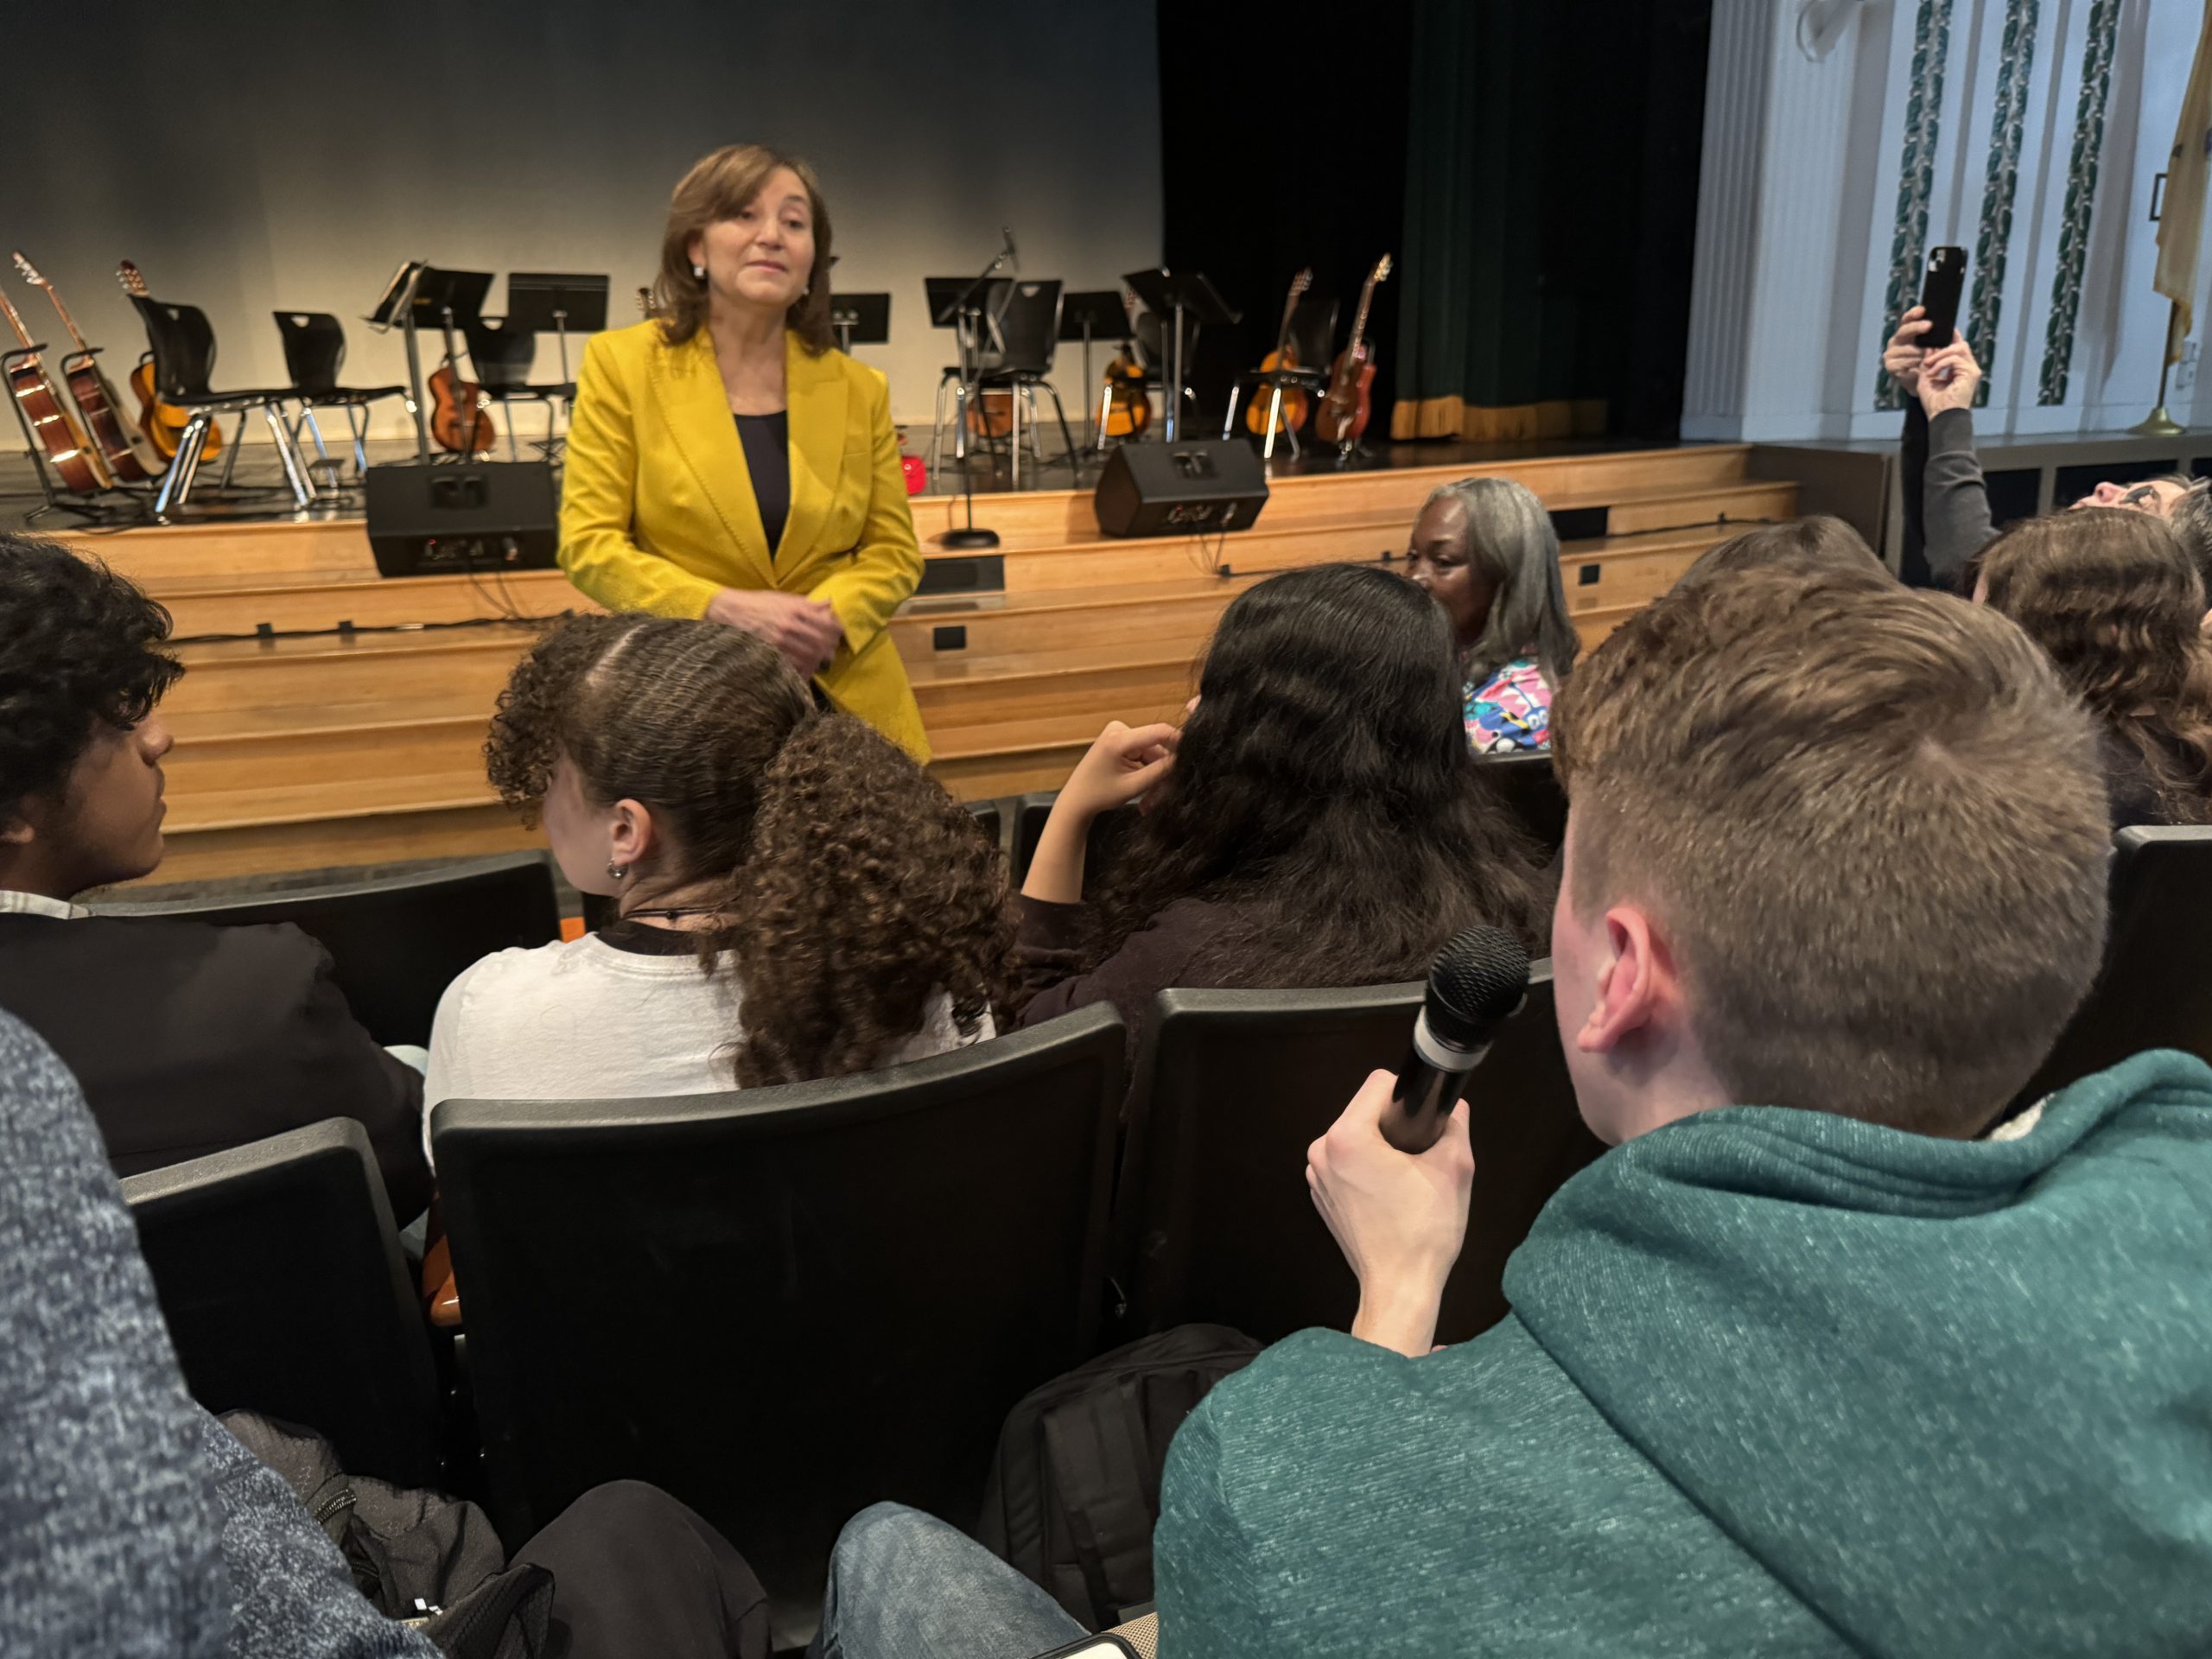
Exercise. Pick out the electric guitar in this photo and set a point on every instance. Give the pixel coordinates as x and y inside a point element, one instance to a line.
<point>1347,406</point>
<point>1285,356</point>
<point>80,468</point>
<point>163,423</point>
<point>129,457</point>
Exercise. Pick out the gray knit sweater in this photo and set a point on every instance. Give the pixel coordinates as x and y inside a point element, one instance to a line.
<point>130,1523</point>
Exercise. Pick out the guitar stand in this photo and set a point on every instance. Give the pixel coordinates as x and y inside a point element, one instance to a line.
<point>86,506</point>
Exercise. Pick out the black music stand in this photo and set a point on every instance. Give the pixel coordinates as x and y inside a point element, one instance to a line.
<point>860,320</point>
<point>1093,313</point>
<point>420,294</point>
<point>544,302</point>
<point>964,306</point>
<point>1185,298</point>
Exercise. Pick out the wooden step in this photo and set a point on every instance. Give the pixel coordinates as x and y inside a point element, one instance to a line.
<point>208,605</point>
<point>1132,613</point>
<point>367,669</point>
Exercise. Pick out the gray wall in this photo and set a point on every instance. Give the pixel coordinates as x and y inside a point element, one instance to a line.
<point>252,156</point>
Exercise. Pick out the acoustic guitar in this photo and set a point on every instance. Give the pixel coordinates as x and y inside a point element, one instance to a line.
<point>458,420</point>
<point>1348,405</point>
<point>161,422</point>
<point>129,457</point>
<point>1129,405</point>
<point>74,462</point>
<point>1285,356</point>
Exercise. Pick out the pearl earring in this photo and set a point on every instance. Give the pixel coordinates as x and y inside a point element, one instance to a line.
<point>699,270</point>
<point>620,872</point>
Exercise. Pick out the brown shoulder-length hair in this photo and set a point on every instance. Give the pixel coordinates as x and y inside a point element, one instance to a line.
<point>2117,604</point>
<point>858,891</point>
<point>717,186</point>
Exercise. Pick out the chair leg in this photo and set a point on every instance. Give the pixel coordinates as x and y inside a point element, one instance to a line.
<point>176,482</point>
<point>1066,436</point>
<point>1105,409</point>
<point>1236,394</point>
<point>1274,421</point>
<point>1013,416</point>
<point>230,460</point>
<point>360,433</point>
<point>294,469</point>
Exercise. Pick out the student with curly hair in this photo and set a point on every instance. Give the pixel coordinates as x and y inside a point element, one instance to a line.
<point>1318,820</point>
<point>188,1038</point>
<point>797,897</point>
<point>2116,602</point>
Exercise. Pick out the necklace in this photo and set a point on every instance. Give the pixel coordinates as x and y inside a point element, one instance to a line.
<point>671,913</point>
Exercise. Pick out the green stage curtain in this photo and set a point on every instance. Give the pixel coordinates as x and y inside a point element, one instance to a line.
<point>1519,156</point>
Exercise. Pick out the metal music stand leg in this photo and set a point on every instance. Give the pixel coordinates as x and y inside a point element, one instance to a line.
<point>1091,438</point>
<point>1174,393</point>
<point>1013,415</point>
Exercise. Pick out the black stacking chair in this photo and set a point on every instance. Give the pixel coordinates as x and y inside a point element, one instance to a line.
<point>1312,340</point>
<point>992,817</point>
<point>1029,333</point>
<point>1539,803</point>
<point>783,1304</point>
<point>314,352</point>
<point>183,346</point>
<point>1108,830</point>
<point>396,942</point>
<point>1213,1219</point>
<point>2153,991</point>
<point>286,1293</point>
<point>502,358</point>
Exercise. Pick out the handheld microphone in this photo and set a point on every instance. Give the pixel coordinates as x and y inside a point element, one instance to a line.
<point>1479,979</point>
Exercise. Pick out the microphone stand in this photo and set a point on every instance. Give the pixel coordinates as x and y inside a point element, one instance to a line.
<point>971,316</point>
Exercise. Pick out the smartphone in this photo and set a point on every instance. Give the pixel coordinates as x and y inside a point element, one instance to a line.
<point>1939,296</point>
<point>1108,1646</point>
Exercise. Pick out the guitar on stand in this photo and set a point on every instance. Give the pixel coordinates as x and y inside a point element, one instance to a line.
<point>45,423</point>
<point>129,457</point>
<point>458,417</point>
<point>1289,404</point>
<point>1348,405</point>
<point>1126,406</point>
<point>162,423</point>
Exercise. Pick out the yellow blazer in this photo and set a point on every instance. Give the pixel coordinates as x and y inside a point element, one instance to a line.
<point>657,511</point>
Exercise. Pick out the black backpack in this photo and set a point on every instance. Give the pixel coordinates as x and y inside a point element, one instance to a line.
<point>411,1551</point>
<point>1074,1490</point>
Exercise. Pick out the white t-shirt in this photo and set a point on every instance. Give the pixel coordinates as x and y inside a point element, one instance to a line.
<point>591,1019</point>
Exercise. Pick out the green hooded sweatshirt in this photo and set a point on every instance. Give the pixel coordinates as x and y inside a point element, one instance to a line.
<point>1775,1381</point>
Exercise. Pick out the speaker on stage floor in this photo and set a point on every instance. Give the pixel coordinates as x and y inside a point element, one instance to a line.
<point>1158,489</point>
<point>448,518</point>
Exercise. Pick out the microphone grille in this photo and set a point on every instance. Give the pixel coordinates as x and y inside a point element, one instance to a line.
<point>1478,979</point>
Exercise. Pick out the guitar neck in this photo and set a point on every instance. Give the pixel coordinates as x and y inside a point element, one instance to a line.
<point>67,321</point>
<point>1359,320</point>
<point>15,323</point>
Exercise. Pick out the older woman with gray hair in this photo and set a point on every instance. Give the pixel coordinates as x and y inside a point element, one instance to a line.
<point>1484,550</point>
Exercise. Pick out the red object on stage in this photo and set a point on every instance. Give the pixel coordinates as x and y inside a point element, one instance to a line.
<point>918,475</point>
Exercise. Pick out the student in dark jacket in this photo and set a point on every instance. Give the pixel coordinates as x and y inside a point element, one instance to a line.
<point>187,1038</point>
<point>1317,821</point>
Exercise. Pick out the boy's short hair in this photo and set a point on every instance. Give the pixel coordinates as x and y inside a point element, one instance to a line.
<point>1871,824</point>
<point>1821,542</point>
<point>78,645</point>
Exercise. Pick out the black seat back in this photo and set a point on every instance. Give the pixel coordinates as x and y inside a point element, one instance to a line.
<point>1214,1220</point>
<point>1029,327</point>
<point>783,1304</point>
<point>501,356</point>
<point>2153,991</point>
<point>991,817</point>
<point>1108,830</point>
<point>285,1292</point>
<point>183,345</point>
<point>1538,804</point>
<point>398,942</point>
<point>315,350</point>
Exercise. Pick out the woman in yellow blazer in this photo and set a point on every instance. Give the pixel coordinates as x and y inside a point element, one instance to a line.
<point>725,461</point>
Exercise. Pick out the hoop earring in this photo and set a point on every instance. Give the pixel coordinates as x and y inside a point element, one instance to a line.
<point>620,872</point>
<point>699,270</point>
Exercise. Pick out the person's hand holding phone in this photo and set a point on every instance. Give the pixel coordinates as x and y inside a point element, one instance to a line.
<point>1902,357</point>
<point>1949,377</point>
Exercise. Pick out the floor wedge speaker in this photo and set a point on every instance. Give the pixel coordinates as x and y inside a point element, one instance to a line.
<point>445,520</point>
<point>1168,489</point>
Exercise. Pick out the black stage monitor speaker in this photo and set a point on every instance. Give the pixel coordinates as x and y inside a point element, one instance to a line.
<point>1160,489</point>
<point>444,519</point>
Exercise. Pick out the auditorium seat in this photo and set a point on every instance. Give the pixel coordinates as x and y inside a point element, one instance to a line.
<point>783,1304</point>
<point>396,942</point>
<point>1213,1218</point>
<point>1530,789</point>
<point>2153,991</point>
<point>1030,812</point>
<point>286,1292</point>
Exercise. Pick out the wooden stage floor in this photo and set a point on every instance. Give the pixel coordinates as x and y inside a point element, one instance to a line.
<point>351,732</point>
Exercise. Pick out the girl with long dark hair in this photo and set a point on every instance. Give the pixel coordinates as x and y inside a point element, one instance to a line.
<point>1319,819</point>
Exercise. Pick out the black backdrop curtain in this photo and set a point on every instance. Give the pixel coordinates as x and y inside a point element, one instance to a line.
<point>1552,157</point>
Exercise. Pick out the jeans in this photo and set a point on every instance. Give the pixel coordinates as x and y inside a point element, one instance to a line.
<point>904,1586</point>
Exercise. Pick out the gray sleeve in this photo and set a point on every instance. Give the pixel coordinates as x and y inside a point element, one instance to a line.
<point>1956,501</point>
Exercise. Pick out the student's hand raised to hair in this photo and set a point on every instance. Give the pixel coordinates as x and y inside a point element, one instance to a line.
<point>1901,357</point>
<point>806,630</point>
<point>1124,762</point>
<point>1399,1218</point>
<point>1948,377</point>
